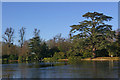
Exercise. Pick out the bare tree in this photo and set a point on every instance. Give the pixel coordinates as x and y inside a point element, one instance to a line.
<point>22,34</point>
<point>8,35</point>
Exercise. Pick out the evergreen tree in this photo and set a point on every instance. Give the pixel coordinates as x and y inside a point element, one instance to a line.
<point>35,45</point>
<point>94,31</point>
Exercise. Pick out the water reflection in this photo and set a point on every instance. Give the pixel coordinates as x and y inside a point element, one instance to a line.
<point>83,69</point>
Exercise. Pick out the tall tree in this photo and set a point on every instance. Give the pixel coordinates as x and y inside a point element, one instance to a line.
<point>8,38</point>
<point>22,34</point>
<point>94,31</point>
<point>35,44</point>
<point>8,35</point>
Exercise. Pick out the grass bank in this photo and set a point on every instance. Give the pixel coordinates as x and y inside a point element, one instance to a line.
<point>102,58</point>
<point>96,59</point>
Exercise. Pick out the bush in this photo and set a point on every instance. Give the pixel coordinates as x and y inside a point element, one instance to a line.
<point>5,56</point>
<point>50,59</point>
<point>53,59</point>
<point>13,57</point>
<point>87,54</point>
<point>112,53</point>
<point>27,58</point>
<point>74,59</point>
<point>102,53</point>
<point>32,57</point>
<point>47,60</point>
<point>59,55</point>
<point>56,56</point>
<point>20,58</point>
<point>5,59</point>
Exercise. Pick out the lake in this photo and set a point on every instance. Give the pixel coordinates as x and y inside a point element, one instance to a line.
<point>83,69</point>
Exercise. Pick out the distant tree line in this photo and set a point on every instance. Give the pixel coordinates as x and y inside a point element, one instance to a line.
<point>90,38</point>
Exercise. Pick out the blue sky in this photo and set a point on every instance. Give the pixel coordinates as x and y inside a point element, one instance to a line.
<point>51,18</point>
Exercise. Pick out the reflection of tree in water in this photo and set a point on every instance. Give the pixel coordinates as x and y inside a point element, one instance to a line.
<point>95,72</point>
<point>99,69</point>
<point>37,70</point>
<point>118,69</point>
<point>91,69</point>
<point>104,69</point>
<point>8,72</point>
<point>84,69</point>
<point>110,64</point>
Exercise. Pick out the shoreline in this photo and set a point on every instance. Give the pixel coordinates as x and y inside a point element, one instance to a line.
<point>96,59</point>
<point>85,59</point>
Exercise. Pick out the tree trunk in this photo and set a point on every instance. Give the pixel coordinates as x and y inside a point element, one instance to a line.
<point>93,51</point>
<point>94,54</point>
<point>93,37</point>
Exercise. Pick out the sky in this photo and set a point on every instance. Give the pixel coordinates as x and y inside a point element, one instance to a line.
<point>52,18</point>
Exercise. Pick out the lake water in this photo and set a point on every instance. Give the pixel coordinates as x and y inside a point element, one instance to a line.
<point>83,69</point>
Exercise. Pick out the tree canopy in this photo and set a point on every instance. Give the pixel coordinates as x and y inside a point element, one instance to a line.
<point>94,31</point>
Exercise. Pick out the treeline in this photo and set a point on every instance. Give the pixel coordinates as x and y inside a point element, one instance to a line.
<point>32,49</point>
<point>90,38</point>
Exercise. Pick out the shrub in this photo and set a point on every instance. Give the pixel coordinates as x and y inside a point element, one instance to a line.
<point>27,58</point>
<point>20,58</point>
<point>5,59</point>
<point>102,53</point>
<point>50,59</point>
<point>56,56</point>
<point>112,53</point>
<point>13,57</point>
<point>5,56</point>
<point>47,59</point>
<point>59,55</point>
<point>74,59</point>
<point>87,54</point>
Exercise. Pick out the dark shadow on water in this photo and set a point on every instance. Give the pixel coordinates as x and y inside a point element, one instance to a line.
<point>83,69</point>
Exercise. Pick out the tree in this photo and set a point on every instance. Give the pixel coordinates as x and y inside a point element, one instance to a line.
<point>118,42</point>
<point>114,46</point>
<point>11,51</point>
<point>77,48</point>
<point>35,45</point>
<point>8,38</point>
<point>24,53</point>
<point>8,35</point>
<point>36,32</point>
<point>60,42</point>
<point>94,31</point>
<point>44,50</point>
<point>22,34</point>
